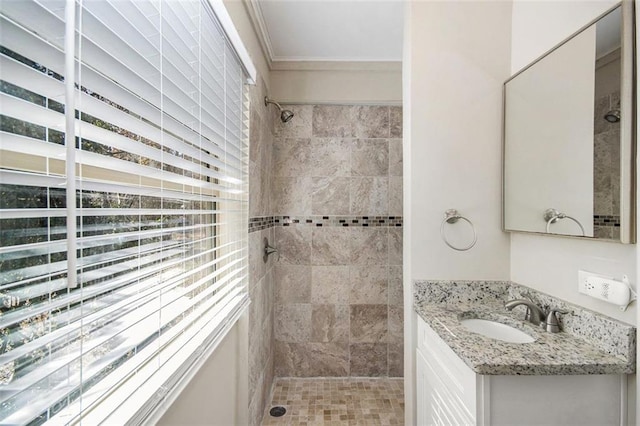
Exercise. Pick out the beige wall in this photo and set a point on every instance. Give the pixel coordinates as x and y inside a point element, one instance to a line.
<point>455,123</point>
<point>217,394</point>
<point>452,143</point>
<point>377,85</point>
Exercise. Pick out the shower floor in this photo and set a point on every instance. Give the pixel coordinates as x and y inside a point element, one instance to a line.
<point>338,401</point>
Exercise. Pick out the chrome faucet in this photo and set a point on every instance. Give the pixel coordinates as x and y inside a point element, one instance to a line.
<point>535,314</point>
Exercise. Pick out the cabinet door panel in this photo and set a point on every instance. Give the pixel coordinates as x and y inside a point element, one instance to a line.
<point>437,403</point>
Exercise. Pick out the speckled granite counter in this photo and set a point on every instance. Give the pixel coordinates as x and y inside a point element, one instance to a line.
<point>590,343</point>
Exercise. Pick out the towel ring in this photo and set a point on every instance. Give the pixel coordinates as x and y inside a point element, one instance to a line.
<point>452,216</point>
<point>552,215</point>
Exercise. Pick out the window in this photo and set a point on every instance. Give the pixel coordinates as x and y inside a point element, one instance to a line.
<point>116,274</point>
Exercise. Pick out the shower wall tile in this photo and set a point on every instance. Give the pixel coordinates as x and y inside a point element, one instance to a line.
<point>395,196</point>
<point>330,323</point>
<point>371,121</point>
<point>396,360</point>
<point>338,291</point>
<point>369,196</point>
<point>369,323</point>
<point>329,284</point>
<point>368,359</point>
<point>395,157</point>
<point>330,121</point>
<point>330,246</point>
<point>292,195</point>
<point>369,246</point>
<point>395,246</point>
<point>298,127</point>
<point>396,323</point>
<point>395,119</point>
<point>312,359</point>
<point>293,283</point>
<point>330,196</point>
<point>330,157</point>
<point>395,285</point>
<point>370,157</point>
<point>368,284</point>
<point>294,245</point>
<point>293,322</point>
<point>292,157</point>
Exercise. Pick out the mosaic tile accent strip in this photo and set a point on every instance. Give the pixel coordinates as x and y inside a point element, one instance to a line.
<point>338,401</point>
<point>260,223</point>
<point>390,221</point>
<point>606,220</point>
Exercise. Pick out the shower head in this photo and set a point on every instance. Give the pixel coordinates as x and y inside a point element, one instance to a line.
<point>285,114</point>
<point>613,116</point>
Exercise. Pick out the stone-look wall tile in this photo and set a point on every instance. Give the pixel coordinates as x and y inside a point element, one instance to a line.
<point>330,157</point>
<point>257,267</point>
<point>395,196</point>
<point>298,127</point>
<point>294,244</point>
<point>329,284</point>
<point>371,121</point>
<point>331,121</point>
<point>293,284</point>
<point>292,157</point>
<point>395,286</point>
<point>370,157</point>
<point>369,196</point>
<point>368,359</point>
<point>601,107</point>
<point>395,121</point>
<point>395,157</point>
<point>396,323</point>
<point>330,196</point>
<point>368,284</point>
<point>330,246</point>
<point>395,246</point>
<point>369,246</point>
<point>312,359</point>
<point>396,360</point>
<point>292,195</point>
<point>369,323</point>
<point>330,323</point>
<point>293,323</point>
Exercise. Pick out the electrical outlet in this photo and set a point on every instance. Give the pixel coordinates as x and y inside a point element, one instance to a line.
<point>603,288</point>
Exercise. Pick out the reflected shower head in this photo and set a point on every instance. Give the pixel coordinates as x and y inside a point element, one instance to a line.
<point>613,116</point>
<point>285,114</point>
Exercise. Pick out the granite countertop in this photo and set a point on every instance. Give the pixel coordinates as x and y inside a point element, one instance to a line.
<point>550,353</point>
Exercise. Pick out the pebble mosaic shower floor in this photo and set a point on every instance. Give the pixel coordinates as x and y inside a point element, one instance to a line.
<point>339,401</point>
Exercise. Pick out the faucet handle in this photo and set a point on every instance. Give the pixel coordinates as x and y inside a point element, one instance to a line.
<point>552,325</point>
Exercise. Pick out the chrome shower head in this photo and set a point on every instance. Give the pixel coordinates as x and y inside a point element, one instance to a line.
<point>285,114</point>
<point>613,116</point>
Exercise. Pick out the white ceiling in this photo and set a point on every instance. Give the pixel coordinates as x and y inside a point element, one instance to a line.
<point>330,30</point>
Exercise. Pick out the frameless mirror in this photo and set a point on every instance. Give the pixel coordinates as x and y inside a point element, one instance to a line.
<point>568,136</point>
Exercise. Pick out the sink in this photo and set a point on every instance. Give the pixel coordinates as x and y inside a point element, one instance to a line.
<point>496,330</point>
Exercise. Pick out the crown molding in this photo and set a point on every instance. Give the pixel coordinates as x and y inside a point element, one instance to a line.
<point>276,63</point>
<point>257,20</point>
<point>336,65</point>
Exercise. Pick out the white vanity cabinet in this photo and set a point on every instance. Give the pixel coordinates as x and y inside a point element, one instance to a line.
<point>450,393</point>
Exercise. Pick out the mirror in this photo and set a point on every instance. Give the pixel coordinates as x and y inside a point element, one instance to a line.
<point>568,136</point>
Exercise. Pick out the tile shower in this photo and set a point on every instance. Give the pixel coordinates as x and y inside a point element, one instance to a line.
<point>326,190</point>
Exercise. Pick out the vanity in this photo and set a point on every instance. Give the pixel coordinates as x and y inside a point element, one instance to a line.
<point>574,377</point>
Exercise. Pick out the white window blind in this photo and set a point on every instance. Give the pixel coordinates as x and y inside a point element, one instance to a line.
<point>159,112</point>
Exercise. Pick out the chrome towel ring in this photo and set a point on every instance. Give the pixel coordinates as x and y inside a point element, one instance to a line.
<point>552,216</point>
<point>452,216</point>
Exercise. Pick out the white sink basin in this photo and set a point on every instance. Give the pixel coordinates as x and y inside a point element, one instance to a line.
<point>496,330</point>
